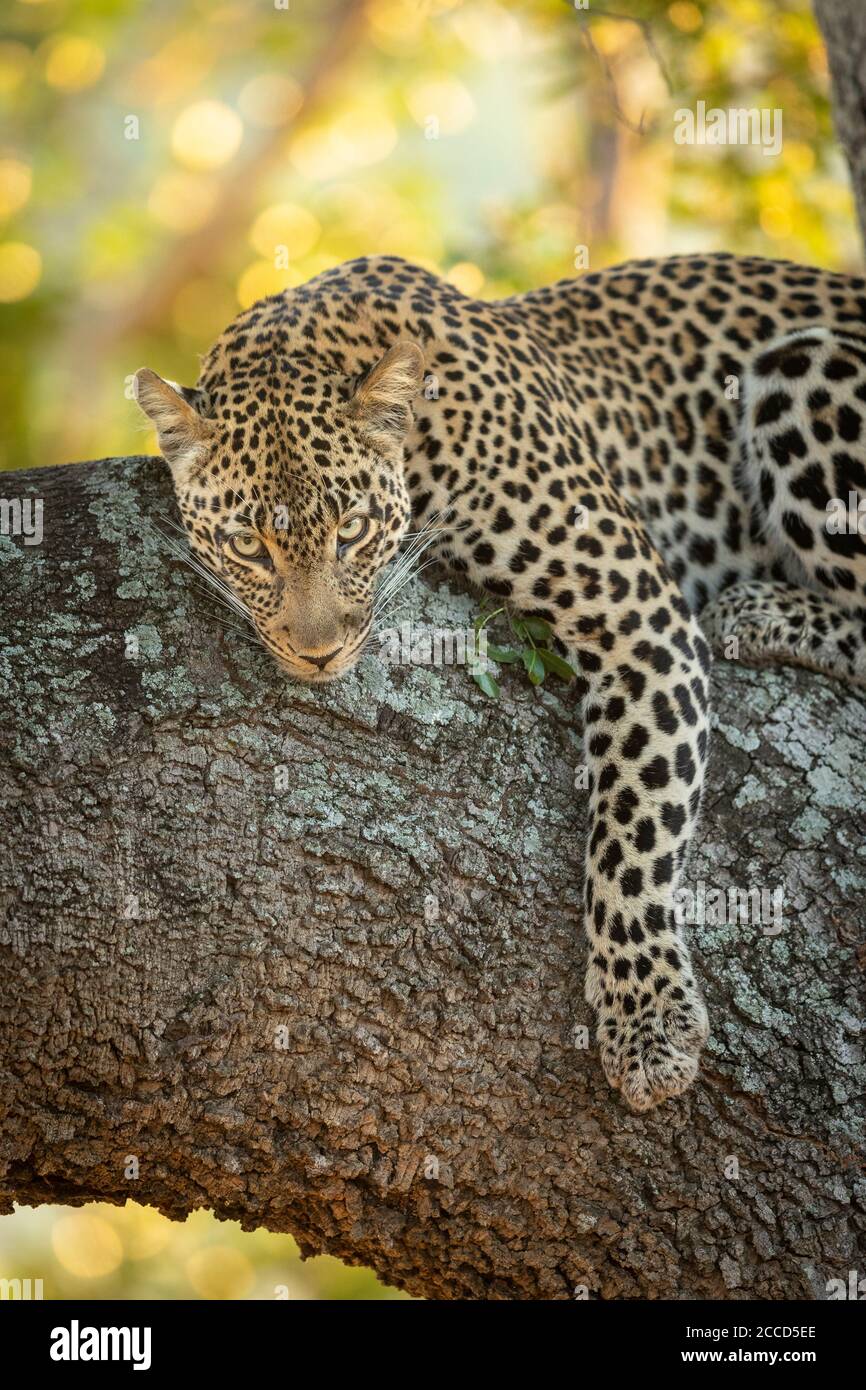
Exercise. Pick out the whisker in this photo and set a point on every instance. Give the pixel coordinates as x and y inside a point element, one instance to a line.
<point>246,637</point>
<point>403,570</point>
<point>215,598</point>
<point>217,584</point>
<point>405,557</point>
<point>380,610</point>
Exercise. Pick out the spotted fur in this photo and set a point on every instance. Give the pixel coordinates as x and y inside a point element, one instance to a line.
<point>615,454</point>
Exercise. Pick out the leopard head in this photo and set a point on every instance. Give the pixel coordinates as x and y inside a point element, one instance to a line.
<point>290,483</point>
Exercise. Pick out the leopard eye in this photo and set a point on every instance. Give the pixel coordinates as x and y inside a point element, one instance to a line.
<point>247,546</point>
<point>353,530</point>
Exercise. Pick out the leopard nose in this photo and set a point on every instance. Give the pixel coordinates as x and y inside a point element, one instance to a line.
<point>321,661</point>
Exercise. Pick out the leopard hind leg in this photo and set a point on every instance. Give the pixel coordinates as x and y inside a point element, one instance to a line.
<point>763,624</point>
<point>804,459</point>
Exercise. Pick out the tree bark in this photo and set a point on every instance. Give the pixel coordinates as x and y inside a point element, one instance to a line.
<point>352,1009</point>
<point>843,26</point>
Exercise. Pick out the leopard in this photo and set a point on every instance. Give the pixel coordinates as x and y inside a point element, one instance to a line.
<point>643,457</point>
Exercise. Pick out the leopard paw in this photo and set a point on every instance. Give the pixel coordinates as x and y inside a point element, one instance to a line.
<point>653,1054</point>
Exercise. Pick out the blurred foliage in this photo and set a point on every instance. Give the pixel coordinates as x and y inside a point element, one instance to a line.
<point>104,1252</point>
<point>165,162</point>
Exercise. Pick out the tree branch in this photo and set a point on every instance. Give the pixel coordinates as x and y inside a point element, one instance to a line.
<point>843,25</point>
<point>352,1008</point>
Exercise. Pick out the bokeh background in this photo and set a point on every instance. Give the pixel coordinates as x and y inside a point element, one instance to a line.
<point>167,162</point>
<point>164,163</point>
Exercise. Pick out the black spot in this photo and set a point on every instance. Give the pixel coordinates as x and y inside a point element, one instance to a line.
<point>772,407</point>
<point>631,883</point>
<point>656,774</point>
<point>645,835</point>
<point>636,742</point>
<point>798,531</point>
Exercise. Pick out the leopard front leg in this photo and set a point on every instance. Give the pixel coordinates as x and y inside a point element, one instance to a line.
<point>596,577</point>
<point>646,719</point>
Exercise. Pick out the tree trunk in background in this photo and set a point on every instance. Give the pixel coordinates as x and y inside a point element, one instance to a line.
<point>843,25</point>
<point>352,1008</point>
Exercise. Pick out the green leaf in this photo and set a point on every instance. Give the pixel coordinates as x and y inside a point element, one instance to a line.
<point>537,628</point>
<point>555,663</point>
<point>503,655</point>
<point>485,682</point>
<point>534,667</point>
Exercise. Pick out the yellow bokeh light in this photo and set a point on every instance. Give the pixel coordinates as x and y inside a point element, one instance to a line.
<point>182,202</point>
<point>285,225</point>
<point>270,100</point>
<point>206,135</point>
<point>263,278</point>
<point>316,155</point>
<point>747,11</point>
<point>143,1231</point>
<point>86,1245</point>
<point>73,63</point>
<point>798,157</point>
<point>776,222</point>
<point>799,28</point>
<point>20,271</point>
<point>489,31</point>
<point>394,20</point>
<point>412,235</point>
<point>363,210</point>
<point>611,35</point>
<point>444,98</point>
<point>685,15</point>
<point>16,182</point>
<point>14,61</point>
<point>173,70</point>
<point>775,190</point>
<point>468,278</point>
<point>219,1272</point>
<point>834,197</point>
<point>365,135</point>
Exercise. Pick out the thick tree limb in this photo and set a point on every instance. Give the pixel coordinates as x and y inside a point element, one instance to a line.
<point>843,26</point>
<point>351,1009</point>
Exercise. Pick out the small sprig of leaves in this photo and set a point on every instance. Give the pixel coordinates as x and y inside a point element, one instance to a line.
<point>533,649</point>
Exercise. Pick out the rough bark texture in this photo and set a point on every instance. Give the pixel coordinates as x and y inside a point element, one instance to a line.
<point>351,1009</point>
<point>843,26</point>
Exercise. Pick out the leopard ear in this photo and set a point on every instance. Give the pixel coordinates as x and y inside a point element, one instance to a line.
<point>183,433</point>
<point>381,402</point>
